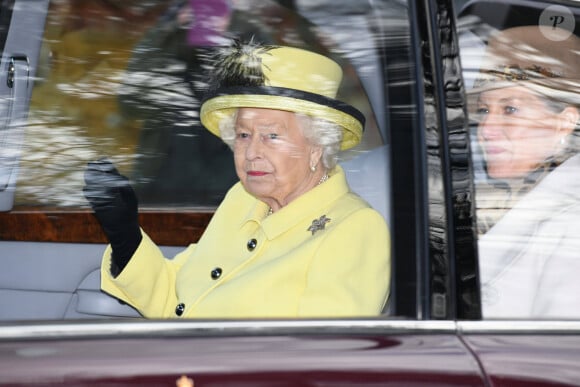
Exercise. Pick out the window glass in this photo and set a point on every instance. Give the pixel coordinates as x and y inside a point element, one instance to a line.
<point>124,79</point>
<point>520,65</point>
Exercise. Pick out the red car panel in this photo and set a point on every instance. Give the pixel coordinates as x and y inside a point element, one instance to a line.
<point>433,358</point>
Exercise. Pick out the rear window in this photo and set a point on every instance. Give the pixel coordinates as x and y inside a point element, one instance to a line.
<point>520,62</point>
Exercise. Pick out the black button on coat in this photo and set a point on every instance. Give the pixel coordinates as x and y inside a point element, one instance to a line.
<point>252,243</point>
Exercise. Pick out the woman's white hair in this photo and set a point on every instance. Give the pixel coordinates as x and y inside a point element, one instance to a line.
<point>318,132</point>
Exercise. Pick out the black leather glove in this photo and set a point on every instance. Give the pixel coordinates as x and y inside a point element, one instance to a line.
<point>115,205</point>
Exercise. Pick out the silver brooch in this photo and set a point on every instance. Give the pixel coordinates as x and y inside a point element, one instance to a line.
<point>318,224</point>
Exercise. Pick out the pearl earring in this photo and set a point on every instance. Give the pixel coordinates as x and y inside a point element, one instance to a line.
<point>313,168</point>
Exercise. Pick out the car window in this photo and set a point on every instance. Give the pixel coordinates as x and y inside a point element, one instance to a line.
<point>123,80</point>
<point>520,62</point>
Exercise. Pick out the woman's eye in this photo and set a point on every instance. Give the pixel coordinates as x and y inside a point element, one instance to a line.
<point>272,136</point>
<point>479,114</point>
<point>242,135</point>
<point>510,109</point>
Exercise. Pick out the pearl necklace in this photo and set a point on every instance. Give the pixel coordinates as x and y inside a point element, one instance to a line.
<point>322,180</point>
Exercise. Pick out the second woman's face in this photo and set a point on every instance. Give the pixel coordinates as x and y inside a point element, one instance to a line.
<point>516,131</point>
<point>272,156</point>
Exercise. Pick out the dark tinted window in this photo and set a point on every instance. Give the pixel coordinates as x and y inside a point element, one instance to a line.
<point>520,61</point>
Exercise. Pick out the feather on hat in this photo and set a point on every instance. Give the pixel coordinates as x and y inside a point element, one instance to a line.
<point>281,78</point>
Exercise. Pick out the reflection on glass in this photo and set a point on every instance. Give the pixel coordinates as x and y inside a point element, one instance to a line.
<point>124,80</point>
<point>524,103</point>
<point>120,79</point>
<point>74,115</point>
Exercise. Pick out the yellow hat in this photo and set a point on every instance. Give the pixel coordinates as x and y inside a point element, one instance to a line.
<point>282,78</point>
<point>527,56</point>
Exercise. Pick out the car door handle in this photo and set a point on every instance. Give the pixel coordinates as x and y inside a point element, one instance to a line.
<point>12,130</point>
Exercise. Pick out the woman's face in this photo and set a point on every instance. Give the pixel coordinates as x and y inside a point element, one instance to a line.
<point>517,131</point>
<point>272,156</point>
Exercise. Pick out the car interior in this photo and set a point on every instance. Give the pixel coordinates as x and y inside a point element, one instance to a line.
<point>64,111</point>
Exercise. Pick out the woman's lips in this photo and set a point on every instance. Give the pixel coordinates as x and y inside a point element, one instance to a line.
<point>256,173</point>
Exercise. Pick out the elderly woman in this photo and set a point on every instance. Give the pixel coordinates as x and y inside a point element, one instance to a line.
<point>288,240</point>
<point>529,209</point>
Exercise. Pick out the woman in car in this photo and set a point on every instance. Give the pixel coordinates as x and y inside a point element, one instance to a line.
<point>289,239</point>
<point>529,208</point>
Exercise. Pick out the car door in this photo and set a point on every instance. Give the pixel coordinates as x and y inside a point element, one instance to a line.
<point>403,71</point>
<point>95,95</point>
<point>91,94</point>
<point>519,345</point>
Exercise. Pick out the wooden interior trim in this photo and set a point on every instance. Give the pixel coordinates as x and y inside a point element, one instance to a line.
<point>166,228</point>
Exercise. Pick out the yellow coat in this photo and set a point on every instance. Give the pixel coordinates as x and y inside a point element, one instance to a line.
<point>341,269</point>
